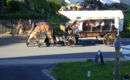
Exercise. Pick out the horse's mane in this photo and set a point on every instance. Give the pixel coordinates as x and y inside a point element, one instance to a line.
<point>40,23</point>
<point>30,26</point>
<point>26,24</point>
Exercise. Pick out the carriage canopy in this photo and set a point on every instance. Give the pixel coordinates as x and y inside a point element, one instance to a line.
<point>116,15</point>
<point>93,15</point>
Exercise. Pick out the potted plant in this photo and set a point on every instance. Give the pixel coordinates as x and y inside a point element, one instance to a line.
<point>126,76</point>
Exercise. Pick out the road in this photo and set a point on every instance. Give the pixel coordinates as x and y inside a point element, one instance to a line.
<point>13,48</point>
<point>25,72</point>
<point>18,62</point>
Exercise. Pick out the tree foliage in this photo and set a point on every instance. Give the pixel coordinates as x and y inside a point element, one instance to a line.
<point>49,6</point>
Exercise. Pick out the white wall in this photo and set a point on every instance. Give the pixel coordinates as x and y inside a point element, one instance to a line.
<point>72,1</point>
<point>110,1</point>
<point>75,1</point>
<point>103,1</point>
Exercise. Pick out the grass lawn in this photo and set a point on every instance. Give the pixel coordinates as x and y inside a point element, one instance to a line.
<point>79,70</point>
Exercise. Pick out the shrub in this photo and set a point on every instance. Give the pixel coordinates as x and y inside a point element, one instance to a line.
<point>127,21</point>
<point>19,15</point>
<point>15,6</point>
<point>49,6</point>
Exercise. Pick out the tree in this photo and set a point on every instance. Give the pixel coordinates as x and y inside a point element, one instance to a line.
<point>21,0</point>
<point>29,2</point>
<point>1,6</point>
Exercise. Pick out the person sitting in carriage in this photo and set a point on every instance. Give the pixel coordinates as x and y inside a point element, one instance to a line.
<point>75,27</point>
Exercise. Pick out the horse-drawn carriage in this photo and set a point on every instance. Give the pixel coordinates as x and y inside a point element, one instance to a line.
<point>84,23</point>
<point>95,23</point>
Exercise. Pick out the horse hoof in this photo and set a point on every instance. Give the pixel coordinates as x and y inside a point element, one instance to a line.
<point>27,44</point>
<point>53,44</point>
<point>47,44</point>
<point>39,44</point>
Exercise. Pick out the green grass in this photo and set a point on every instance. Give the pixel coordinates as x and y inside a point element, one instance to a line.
<point>78,70</point>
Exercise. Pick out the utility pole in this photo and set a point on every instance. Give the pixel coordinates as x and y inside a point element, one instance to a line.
<point>117,60</point>
<point>117,54</point>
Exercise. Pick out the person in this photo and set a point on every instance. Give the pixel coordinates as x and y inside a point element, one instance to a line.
<point>99,55</point>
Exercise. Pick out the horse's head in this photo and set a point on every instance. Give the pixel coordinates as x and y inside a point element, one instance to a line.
<point>24,26</point>
<point>20,26</point>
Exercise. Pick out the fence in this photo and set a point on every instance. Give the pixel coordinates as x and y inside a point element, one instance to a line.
<point>8,26</point>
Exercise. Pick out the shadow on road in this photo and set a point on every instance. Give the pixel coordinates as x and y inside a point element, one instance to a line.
<point>23,70</point>
<point>8,40</point>
<point>30,72</point>
<point>64,56</point>
<point>86,42</point>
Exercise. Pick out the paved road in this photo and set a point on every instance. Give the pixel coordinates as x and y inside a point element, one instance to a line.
<point>18,62</point>
<point>24,72</point>
<point>15,48</point>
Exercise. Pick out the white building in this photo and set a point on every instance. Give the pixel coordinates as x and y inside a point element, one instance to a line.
<point>103,1</point>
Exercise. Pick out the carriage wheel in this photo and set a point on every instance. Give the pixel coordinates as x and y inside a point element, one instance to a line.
<point>70,41</point>
<point>109,39</point>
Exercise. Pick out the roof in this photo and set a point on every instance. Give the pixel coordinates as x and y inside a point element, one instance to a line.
<point>92,15</point>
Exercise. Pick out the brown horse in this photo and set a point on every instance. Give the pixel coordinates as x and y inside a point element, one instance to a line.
<point>33,30</point>
<point>25,26</point>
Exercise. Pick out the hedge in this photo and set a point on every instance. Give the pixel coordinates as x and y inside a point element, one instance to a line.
<point>15,9</point>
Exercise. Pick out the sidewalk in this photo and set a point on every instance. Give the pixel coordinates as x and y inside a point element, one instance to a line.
<point>46,61</point>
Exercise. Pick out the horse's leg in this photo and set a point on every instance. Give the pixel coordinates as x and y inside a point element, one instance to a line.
<point>52,39</point>
<point>47,41</point>
<point>29,38</point>
<point>37,40</point>
<point>33,34</point>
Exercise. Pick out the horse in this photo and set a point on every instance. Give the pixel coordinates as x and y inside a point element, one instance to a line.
<point>35,29</point>
<point>25,26</point>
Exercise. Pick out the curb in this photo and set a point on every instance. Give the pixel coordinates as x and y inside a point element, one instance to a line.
<point>48,61</point>
<point>45,71</point>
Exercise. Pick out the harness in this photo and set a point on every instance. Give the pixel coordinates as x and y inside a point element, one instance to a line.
<point>33,25</point>
<point>46,33</point>
<point>32,28</point>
